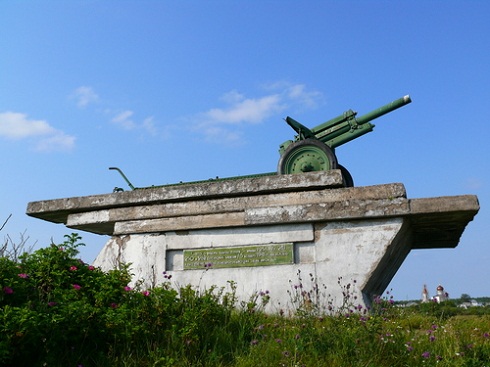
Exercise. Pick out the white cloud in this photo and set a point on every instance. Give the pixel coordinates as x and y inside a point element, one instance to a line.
<point>58,141</point>
<point>246,111</point>
<point>123,119</point>
<point>85,96</point>
<point>240,110</point>
<point>14,125</point>
<point>297,93</point>
<point>149,125</point>
<point>17,126</point>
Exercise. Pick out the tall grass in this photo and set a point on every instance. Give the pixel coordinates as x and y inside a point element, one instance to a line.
<point>56,310</point>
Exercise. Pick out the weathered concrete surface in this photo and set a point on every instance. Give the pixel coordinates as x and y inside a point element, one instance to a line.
<point>360,234</point>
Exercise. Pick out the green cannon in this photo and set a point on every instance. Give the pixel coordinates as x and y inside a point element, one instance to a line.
<point>314,149</point>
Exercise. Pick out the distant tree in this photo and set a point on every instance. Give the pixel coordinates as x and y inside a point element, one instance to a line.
<point>12,250</point>
<point>465,297</point>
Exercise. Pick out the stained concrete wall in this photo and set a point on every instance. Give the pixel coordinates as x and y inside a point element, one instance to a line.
<point>356,237</point>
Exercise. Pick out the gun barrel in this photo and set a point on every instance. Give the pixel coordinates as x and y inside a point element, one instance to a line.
<point>384,110</point>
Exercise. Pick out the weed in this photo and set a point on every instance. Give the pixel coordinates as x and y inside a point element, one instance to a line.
<point>55,310</point>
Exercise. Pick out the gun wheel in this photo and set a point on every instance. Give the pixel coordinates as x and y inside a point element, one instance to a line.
<point>307,156</point>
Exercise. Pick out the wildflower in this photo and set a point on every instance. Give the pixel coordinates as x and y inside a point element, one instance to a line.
<point>51,304</point>
<point>409,346</point>
<point>127,289</point>
<point>145,293</point>
<point>426,355</point>
<point>279,341</point>
<point>432,338</point>
<point>73,268</point>
<point>76,287</point>
<point>254,342</point>
<point>486,335</point>
<point>114,305</point>
<point>8,290</point>
<point>23,275</point>
<point>91,267</point>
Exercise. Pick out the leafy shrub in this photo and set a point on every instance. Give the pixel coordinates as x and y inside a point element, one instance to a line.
<point>52,306</point>
<point>55,310</point>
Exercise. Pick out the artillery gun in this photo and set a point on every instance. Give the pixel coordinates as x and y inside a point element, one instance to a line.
<point>314,149</point>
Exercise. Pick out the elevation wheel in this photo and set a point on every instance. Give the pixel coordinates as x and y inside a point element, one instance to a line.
<point>307,156</point>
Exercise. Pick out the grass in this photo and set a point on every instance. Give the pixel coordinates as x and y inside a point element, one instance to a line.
<point>56,310</point>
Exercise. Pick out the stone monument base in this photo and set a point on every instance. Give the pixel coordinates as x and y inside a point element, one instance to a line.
<point>298,239</point>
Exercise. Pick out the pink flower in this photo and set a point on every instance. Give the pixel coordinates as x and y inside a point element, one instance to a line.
<point>145,293</point>
<point>8,290</point>
<point>114,305</point>
<point>73,268</point>
<point>91,267</point>
<point>76,287</point>
<point>127,289</point>
<point>23,275</point>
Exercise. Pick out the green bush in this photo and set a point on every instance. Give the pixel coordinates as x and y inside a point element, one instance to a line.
<point>54,307</point>
<point>55,310</point>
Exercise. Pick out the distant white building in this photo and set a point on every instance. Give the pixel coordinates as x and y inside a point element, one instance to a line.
<point>471,303</point>
<point>440,295</point>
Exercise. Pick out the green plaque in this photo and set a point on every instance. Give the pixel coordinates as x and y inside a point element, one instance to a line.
<point>235,257</point>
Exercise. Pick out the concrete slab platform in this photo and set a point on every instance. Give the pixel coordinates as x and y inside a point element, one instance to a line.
<point>361,234</point>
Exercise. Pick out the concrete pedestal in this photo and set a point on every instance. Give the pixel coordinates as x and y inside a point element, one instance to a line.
<point>300,239</point>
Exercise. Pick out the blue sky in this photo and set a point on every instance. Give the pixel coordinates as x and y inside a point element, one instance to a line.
<point>187,90</point>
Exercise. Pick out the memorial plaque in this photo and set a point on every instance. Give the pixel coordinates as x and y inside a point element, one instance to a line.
<point>234,257</point>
